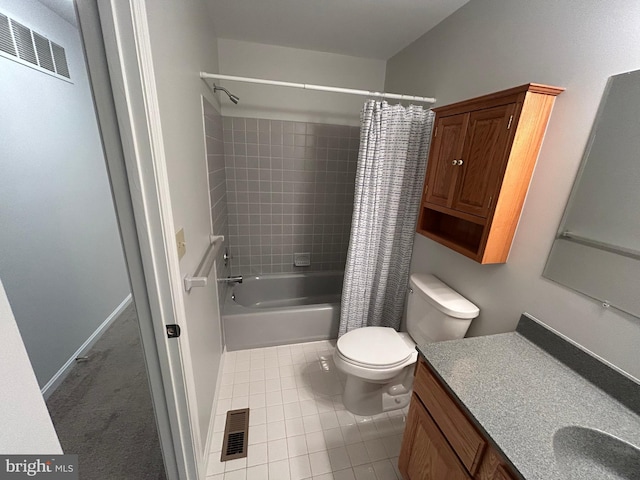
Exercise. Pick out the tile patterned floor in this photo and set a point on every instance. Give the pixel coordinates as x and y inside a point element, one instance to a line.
<point>298,426</point>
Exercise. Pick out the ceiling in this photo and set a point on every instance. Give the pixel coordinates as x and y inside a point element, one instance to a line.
<point>362,28</point>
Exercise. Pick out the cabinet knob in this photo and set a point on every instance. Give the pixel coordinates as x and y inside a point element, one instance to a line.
<point>454,162</point>
<point>460,162</point>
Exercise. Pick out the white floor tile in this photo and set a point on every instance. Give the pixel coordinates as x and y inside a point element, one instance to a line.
<point>329,420</point>
<point>384,470</point>
<point>256,375</point>
<point>241,377</point>
<point>214,465</point>
<point>277,450</point>
<point>375,450</point>
<point>236,475</point>
<point>294,426</point>
<point>271,362</point>
<point>219,423</point>
<point>257,434</point>
<point>272,384</point>
<point>276,430</point>
<point>226,391</point>
<point>279,470</point>
<point>275,413</point>
<point>299,427</point>
<point>312,423</point>
<point>344,475</point>
<point>364,472</point>
<point>288,383</point>
<point>345,418</point>
<point>290,395</point>
<point>292,410</point>
<point>315,442</point>
<point>308,407</point>
<point>300,467</point>
<point>243,367</point>
<point>274,398</point>
<point>339,459</point>
<point>257,401</point>
<point>239,402</point>
<point>320,463</point>
<point>259,472</point>
<point>351,434</point>
<point>297,446</point>
<point>241,390</point>
<point>257,454</point>
<point>333,438</point>
<point>392,445</point>
<point>237,464</point>
<point>257,387</point>
<point>223,405</point>
<point>257,416</point>
<point>358,454</point>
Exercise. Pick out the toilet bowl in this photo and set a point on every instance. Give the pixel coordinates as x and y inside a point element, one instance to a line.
<point>378,361</point>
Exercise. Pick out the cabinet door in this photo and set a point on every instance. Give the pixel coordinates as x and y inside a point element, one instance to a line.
<point>447,147</point>
<point>483,159</point>
<point>425,453</point>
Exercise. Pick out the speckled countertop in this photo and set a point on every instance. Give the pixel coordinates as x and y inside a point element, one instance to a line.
<point>520,396</point>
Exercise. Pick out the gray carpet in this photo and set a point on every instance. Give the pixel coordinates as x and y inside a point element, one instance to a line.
<point>102,411</point>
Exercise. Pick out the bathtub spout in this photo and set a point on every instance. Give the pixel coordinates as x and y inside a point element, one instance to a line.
<point>236,279</point>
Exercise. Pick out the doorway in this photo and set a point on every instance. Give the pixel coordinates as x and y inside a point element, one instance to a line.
<point>62,262</point>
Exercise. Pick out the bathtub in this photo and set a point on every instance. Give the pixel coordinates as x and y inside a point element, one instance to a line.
<point>282,308</point>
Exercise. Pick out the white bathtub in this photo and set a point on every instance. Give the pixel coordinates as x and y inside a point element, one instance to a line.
<point>282,308</point>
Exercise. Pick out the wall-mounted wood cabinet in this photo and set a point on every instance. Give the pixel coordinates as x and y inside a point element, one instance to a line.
<point>482,156</point>
<point>441,442</point>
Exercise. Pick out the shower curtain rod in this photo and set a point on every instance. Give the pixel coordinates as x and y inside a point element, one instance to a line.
<point>306,86</point>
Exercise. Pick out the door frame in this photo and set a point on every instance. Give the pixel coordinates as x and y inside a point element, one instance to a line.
<point>116,39</point>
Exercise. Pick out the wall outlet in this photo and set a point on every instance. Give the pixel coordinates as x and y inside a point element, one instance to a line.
<point>301,259</point>
<point>181,244</point>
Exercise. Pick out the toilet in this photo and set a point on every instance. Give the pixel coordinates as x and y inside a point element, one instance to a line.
<point>378,361</point>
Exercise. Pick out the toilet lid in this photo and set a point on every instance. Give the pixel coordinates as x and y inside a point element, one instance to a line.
<point>374,346</point>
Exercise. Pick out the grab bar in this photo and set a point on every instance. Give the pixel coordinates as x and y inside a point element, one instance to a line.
<point>199,279</point>
<point>607,247</point>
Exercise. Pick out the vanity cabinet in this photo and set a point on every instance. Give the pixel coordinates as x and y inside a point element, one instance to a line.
<point>440,441</point>
<point>482,155</point>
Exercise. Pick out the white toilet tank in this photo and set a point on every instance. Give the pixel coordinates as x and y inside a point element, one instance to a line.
<point>435,312</point>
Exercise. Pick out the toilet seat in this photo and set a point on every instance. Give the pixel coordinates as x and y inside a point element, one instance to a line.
<point>374,348</point>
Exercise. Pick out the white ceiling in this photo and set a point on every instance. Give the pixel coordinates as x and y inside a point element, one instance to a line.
<point>64,8</point>
<point>362,28</point>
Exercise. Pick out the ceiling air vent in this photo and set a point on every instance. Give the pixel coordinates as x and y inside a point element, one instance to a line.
<point>22,43</point>
<point>6,40</point>
<point>61,60</point>
<point>45,59</point>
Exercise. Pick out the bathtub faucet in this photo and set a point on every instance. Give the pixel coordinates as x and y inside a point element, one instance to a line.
<point>236,279</point>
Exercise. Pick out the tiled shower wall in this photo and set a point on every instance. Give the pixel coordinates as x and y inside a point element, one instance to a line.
<point>290,188</point>
<point>217,186</point>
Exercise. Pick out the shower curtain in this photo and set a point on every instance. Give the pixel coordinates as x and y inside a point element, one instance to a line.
<point>394,145</point>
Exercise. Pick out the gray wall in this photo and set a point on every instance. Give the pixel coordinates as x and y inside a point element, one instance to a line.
<point>290,188</point>
<point>61,261</point>
<point>489,45</point>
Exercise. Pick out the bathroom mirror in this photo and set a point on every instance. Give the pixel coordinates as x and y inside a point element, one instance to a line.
<point>597,249</point>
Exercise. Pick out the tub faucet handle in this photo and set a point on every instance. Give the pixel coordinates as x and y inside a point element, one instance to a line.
<point>226,257</point>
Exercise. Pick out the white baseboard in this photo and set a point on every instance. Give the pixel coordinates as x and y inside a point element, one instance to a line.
<point>214,409</point>
<point>60,375</point>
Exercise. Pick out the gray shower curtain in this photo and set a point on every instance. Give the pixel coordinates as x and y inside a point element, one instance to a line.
<point>394,145</point>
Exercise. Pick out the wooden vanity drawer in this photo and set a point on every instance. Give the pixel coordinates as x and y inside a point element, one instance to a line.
<point>463,437</point>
